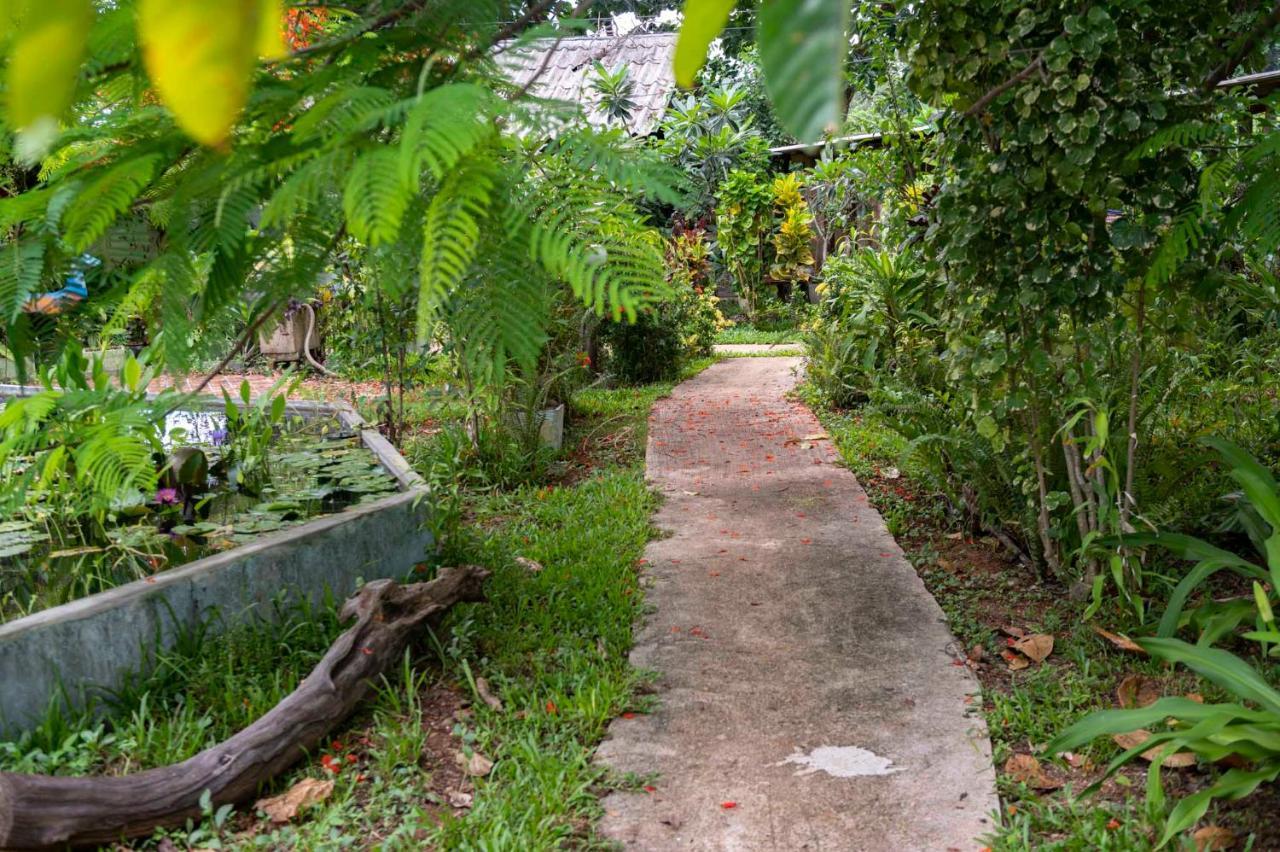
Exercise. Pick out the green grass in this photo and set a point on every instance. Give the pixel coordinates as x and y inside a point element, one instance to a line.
<point>743,333</point>
<point>552,645</point>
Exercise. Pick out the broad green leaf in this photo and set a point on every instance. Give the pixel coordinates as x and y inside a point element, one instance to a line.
<point>1236,784</point>
<point>45,58</point>
<point>703,21</point>
<point>132,374</point>
<point>1119,721</point>
<point>1222,667</point>
<point>200,55</point>
<point>802,50</point>
<point>1256,481</point>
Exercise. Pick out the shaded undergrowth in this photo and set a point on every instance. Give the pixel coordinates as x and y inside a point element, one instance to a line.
<point>989,598</point>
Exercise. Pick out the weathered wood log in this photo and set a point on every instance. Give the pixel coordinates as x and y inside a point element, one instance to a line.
<point>43,811</point>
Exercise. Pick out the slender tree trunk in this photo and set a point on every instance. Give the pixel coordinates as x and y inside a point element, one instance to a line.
<point>1127,501</point>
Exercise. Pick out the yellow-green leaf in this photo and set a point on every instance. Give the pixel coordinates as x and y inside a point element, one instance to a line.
<point>200,56</point>
<point>132,374</point>
<point>1264,604</point>
<point>45,57</point>
<point>703,21</point>
<point>271,30</point>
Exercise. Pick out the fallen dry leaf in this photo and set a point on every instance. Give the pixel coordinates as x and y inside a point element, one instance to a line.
<point>816,436</point>
<point>528,564</point>
<point>1022,767</point>
<point>1078,761</point>
<point>1137,691</point>
<point>1015,632</point>
<point>1016,662</point>
<point>1124,643</point>
<point>1037,646</point>
<point>458,799</point>
<point>479,765</point>
<point>1177,760</point>
<point>1213,838</point>
<point>307,792</point>
<point>1025,768</point>
<point>1132,739</point>
<point>482,689</point>
<point>977,653</point>
<point>1195,696</point>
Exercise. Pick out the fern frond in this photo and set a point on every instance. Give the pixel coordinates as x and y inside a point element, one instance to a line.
<point>302,189</point>
<point>580,242</point>
<point>1183,135</point>
<point>1257,214</point>
<point>611,156</point>
<point>335,113</point>
<point>114,455</point>
<point>105,198</point>
<point>21,264</point>
<point>451,233</point>
<point>376,196</point>
<point>22,207</point>
<point>442,127</point>
<point>1183,237</point>
<point>142,292</point>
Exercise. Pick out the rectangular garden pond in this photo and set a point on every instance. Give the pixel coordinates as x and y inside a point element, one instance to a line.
<point>76,651</point>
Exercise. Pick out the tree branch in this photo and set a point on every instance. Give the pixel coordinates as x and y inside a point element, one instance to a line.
<point>1243,47</point>
<point>981,103</point>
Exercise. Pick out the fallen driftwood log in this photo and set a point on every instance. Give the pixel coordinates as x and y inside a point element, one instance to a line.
<point>42,811</point>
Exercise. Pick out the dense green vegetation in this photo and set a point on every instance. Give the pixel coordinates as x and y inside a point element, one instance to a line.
<point>1038,296</point>
<point>550,643</point>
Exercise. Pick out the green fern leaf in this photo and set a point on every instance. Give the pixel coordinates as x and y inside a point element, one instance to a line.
<point>105,198</point>
<point>376,197</point>
<point>303,189</point>
<point>451,234</point>
<point>442,127</point>
<point>20,266</point>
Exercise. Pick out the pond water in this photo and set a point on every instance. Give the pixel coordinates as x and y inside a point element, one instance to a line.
<point>315,467</point>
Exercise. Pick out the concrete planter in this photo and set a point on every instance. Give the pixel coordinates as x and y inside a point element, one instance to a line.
<point>550,425</point>
<point>73,652</point>
<point>113,359</point>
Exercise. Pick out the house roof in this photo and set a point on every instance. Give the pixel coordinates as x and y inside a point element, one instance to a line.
<point>568,74</point>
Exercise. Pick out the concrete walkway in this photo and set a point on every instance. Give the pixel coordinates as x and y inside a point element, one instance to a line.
<point>809,694</point>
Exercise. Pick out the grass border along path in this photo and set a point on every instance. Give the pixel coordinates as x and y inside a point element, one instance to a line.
<point>551,643</point>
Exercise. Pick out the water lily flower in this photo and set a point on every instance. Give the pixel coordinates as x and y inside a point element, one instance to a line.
<point>167,496</point>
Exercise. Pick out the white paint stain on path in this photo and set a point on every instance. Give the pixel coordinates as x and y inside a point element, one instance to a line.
<point>841,762</point>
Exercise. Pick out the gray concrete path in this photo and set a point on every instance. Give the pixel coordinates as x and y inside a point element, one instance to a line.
<point>809,694</point>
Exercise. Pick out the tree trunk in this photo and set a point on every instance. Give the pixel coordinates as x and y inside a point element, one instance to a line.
<point>42,811</point>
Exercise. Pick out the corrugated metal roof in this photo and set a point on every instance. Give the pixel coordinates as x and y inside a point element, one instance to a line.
<point>567,76</point>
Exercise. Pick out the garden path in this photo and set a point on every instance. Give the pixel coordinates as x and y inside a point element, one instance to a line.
<point>809,694</point>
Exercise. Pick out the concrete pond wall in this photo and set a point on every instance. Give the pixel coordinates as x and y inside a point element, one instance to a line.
<point>76,651</point>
